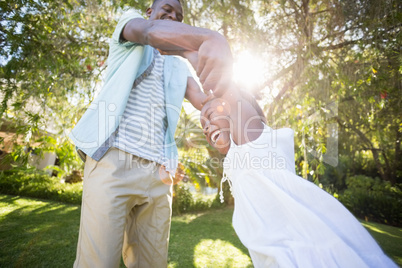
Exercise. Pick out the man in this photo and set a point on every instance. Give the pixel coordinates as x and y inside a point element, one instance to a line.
<point>127,134</point>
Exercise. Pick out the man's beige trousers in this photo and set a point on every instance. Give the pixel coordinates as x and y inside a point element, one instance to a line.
<point>126,210</point>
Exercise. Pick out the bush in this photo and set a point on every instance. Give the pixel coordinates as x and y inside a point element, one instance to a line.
<point>184,201</point>
<point>202,202</point>
<point>373,199</point>
<point>37,183</point>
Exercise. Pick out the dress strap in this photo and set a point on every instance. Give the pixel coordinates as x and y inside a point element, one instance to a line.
<point>225,178</point>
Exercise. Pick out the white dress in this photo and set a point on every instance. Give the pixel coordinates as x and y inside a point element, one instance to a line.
<point>287,221</point>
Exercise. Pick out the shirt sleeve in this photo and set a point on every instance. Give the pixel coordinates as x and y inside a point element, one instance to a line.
<point>126,17</point>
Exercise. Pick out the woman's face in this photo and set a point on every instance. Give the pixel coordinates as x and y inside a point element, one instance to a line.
<point>215,122</point>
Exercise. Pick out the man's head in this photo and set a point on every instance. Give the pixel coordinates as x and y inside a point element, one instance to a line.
<point>165,10</point>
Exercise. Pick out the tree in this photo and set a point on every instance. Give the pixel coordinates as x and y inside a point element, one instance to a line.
<point>345,52</point>
<point>52,57</point>
<point>332,72</point>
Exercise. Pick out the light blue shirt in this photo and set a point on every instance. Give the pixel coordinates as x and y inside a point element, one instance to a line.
<point>128,64</point>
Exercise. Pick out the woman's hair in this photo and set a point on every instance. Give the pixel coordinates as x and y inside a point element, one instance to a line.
<point>250,99</point>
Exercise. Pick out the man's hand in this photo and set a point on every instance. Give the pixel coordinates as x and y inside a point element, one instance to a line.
<point>214,67</point>
<point>219,78</point>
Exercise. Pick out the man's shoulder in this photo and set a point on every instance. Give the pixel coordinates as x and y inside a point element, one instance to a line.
<point>131,13</point>
<point>124,19</point>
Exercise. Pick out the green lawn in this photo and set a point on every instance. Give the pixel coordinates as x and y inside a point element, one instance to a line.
<point>389,238</point>
<point>37,233</point>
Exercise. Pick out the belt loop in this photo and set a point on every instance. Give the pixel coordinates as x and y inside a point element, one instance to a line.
<point>131,161</point>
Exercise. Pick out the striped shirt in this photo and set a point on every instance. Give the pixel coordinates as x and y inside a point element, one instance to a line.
<point>143,125</point>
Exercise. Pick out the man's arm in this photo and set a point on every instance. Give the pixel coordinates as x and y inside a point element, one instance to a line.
<point>214,55</point>
<point>168,35</point>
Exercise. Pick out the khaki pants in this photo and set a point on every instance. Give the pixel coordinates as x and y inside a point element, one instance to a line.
<point>126,210</point>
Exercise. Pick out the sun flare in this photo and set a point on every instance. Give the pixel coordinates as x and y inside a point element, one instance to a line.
<point>248,70</point>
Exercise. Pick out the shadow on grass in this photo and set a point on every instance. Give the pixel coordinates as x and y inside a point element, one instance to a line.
<point>212,231</point>
<point>36,233</point>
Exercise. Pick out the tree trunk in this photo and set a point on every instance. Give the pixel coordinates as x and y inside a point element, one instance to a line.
<point>398,155</point>
<point>305,162</point>
<point>383,174</point>
<point>374,151</point>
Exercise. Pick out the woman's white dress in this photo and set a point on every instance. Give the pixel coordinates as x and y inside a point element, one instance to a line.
<point>287,221</point>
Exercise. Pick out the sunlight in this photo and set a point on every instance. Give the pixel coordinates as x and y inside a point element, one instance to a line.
<point>187,218</point>
<point>248,70</point>
<point>375,229</point>
<point>218,253</point>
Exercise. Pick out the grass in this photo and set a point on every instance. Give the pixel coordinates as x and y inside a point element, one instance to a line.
<point>37,233</point>
<point>389,238</point>
<point>206,240</point>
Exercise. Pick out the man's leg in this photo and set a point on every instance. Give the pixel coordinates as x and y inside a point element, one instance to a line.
<point>107,199</point>
<point>146,238</point>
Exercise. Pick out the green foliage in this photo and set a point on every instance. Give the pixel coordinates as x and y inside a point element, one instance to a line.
<point>68,159</point>
<point>360,163</point>
<point>52,58</point>
<point>341,52</point>
<point>184,201</point>
<point>316,53</point>
<point>36,183</point>
<point>202,202</point>
<point>202,163</point>
<point>373,199</point>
